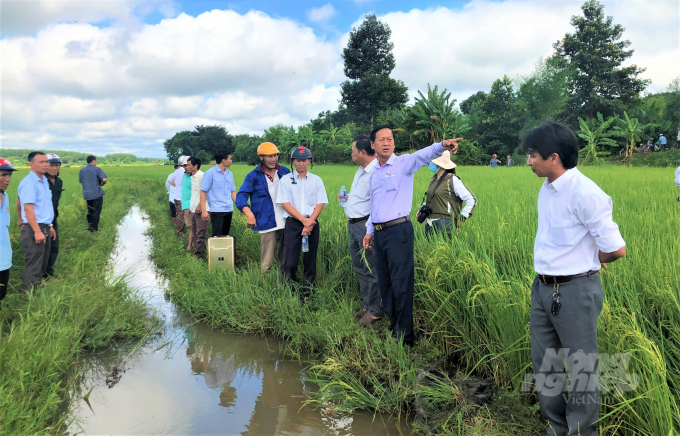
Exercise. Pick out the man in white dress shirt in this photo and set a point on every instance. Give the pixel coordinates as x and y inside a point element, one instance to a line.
<point>358,209</point>
<point>302,196</point>
<point>576,237</point>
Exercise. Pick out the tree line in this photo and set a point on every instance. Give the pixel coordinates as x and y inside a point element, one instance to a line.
<point>583,84</point>
<point>68,158</point>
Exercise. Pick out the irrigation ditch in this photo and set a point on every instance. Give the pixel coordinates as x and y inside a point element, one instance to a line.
<point>193,379</point>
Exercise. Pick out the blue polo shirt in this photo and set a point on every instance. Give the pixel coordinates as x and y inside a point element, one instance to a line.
<point>91,177</point>
<point>5,245</point>
<point>37,192</point>
<point>186,191</point>
<point>218,187</point>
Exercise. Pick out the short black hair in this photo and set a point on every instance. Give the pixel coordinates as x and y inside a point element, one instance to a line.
<point>220,155</point>
<point>91,158</point>
<point>195,161</point>
<point>364,144</point>
<point>379,128</point>
<point>33,154</point>
<point>550,137</point>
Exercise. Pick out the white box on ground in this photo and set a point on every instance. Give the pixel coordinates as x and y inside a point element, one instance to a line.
<point>221,253</point>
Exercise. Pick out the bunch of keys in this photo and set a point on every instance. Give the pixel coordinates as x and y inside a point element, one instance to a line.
<point>556,304</point>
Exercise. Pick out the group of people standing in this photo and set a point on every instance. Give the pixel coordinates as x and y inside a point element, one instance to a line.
<point>37,210</point>
<point>576,238</point>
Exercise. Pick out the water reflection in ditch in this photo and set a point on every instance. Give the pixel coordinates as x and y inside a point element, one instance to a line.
<point>195,380</point>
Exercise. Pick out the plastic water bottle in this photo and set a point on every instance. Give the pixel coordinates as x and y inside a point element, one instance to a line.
<point>305,244</point>
<point>343,196</point>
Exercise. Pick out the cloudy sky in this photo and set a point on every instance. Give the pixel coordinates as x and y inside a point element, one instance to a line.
<point>123,76</point>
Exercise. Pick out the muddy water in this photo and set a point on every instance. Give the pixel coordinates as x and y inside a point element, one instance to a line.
<point>195,380</point>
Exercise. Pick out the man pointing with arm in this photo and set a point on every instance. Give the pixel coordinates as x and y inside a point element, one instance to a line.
<point>389,227</point>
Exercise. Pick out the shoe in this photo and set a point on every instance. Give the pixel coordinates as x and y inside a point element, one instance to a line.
<point>368,319</point>
<point>359,313</point>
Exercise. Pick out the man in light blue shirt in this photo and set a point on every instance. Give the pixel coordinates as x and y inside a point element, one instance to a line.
<point>37,214</point>
<point>219,190</point>
<point>93,178</point>
<point>6,170</point>
<point>357,210</point>
<point>391,200</point>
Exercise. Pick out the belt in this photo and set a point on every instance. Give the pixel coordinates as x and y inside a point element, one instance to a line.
<point>553,280</point>
<point>358,220</point>
<point>39,225</point>
<point>383,226</point>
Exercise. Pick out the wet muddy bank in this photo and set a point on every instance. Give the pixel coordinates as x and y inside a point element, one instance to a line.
<point>196,380</point>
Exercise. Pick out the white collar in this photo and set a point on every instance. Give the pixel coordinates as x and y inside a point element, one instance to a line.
<point>368,168</point>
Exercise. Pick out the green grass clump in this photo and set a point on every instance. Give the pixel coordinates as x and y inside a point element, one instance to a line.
<point>81,308</point>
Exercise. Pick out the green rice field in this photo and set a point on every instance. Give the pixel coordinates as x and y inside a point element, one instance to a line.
<point>471,305</point>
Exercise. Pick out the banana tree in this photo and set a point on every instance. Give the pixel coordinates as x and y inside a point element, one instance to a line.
<point>435,115</point>
<point>632,131</point>
<point>596,136</point>
<point>331,134</point>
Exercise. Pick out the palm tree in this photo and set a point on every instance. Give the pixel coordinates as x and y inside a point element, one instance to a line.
<point>596,136</point>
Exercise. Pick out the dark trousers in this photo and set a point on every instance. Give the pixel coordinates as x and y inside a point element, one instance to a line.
<point>54,251</point>
<point>572,406</point>
<point>221,223</point>
<point>180,225</point>
<point>441,226</point>
<point>173,209</point>
<point>94,211</point>
<point>4,281</point>
<point>368,283</point>
<point>198,231</point>
<point>292,242</point>
<point>393,249</point>
<point>36,255</point>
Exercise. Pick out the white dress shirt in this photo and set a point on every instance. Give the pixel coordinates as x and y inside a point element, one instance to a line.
<point>359,197</point>
<point>273,186</point>
<point>677,177</point>
<point>196,180</point>
<point>303,195</point>
<point>176,178</point>
<point>464,194</point>
<point>574,223</point>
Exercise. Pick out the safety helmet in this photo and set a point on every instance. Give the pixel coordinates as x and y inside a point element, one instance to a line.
<point>493,155</point>
<point>301,152</point>
<point>267,149</point>
<point>5,165</point>
<point>53,158</point>
<point>181,160</point>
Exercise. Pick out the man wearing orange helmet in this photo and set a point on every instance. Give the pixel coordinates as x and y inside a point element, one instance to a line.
<point>263,215</point>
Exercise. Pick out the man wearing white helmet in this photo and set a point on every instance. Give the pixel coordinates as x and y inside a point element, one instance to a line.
<point>6,170</point>
<point>175,179</point>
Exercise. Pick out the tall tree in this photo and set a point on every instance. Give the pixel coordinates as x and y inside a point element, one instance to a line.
<point>368,63</point>
<point>201,142</point>
<point>595,52</point>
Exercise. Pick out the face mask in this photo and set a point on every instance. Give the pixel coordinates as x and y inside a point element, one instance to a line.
<point>433,167</point>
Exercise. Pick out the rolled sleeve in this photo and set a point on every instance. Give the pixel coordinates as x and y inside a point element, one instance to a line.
<point>595,212</point>
<point>206,183</point>
<point>27,193</point>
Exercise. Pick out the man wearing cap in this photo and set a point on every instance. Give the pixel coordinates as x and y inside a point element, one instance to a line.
<point>37,215</point>
<point>197,227</point>
<point>93,178</point>
<point>263,214</point>
<point>171,198</point>
<point>357,210</point>
<point>575,239</point>
<point>494,162</point>
<point>389,224</point>
<point>218,194</point>
<point>6,170</point>
<point>663,142</point>
<point>57,187</point>
<point>175,179</point>
<point>302,196</point>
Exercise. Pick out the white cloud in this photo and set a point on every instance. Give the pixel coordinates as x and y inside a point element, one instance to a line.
<point>466,49</point>
<point>321,14</point>
<point>128,86</point>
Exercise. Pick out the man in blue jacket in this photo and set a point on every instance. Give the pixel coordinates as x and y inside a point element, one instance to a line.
<point>263,215</point>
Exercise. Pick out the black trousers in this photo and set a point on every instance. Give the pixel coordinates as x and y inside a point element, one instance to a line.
<point>94,211</point>
<point>292,241</point>
<point>221,223</point>
<point>393,250</point>
<point>4,280</point>
<point>54,251</point>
